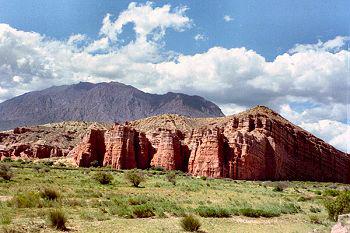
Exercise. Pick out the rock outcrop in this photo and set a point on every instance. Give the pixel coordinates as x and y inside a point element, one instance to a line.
<point>91,149</point>
<point>255,145</point>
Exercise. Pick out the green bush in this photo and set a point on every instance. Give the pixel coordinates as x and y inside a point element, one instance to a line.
<point>171,177</point>
<point>256,213</point>
<point>337,206</point>
<point>190,223</point>
<point>135,177</point>
<point>331,192</point>
<point>7,160</point>
<point>95,163</point>
<point>315,219</point>
<point>58,220</point>
<point>103,177</point>
<point>138,200</point>
<point>50,194</point>
<point>6,172</point>
<point>27,200</point>
<point>280,186</point>
<point>213,212</point>
<point>143,211</point>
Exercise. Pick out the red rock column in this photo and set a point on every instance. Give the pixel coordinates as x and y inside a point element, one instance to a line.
<point>120,147</point>
<point>168,152</point>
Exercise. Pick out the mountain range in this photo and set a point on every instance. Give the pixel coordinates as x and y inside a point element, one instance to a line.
<point>101,102</point>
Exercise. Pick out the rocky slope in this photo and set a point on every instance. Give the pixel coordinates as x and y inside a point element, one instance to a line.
<point>102,102</point>
<point>255,145</point>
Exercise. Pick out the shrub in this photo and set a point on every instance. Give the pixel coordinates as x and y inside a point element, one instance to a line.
<point>47,163</point>
<point>212,212</point>
<point>171,177</point>
<point>280,186</point>
<point>6,172</point>
<point>95,163</point>
<point>256,213</point>
<point>49,194</point>
<point>315,219</point>
<point>27,200</point>
<point>135,177</point>
<point>337,206</point>
<point>158,168</point>
<point>103,177</point>
<point>143,211</point>
<point>315,209</point>
<point>58,220</point>
<point>7,160</point>
<point>190,223</point>
<point>331,192</point>
<point>139,200</point>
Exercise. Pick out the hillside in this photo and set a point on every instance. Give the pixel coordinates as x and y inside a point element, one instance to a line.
<point>102,102</point>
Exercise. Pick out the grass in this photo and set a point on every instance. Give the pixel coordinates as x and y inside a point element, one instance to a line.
<point>222,205</point>
<point>190,223</point>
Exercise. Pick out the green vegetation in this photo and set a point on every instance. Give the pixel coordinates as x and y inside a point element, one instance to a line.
<point>6,172</point>
<point>135,177</point>
<point>58,220</point>
<point>171,177</point>
<point>190,223</point>
<point>37,201</point>
<point>103,177</point>
<point>339,205</point>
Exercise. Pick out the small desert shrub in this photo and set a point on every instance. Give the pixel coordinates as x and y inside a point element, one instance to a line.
<point>95,163</point>
<point>171,177</point>
<point>6,172</point>
<point>256,213</point>
<point>139,200</point>
<point>212,212</point>
<point>103,177</point>
<point>5,218</point>
<point>47,163</point>
<point>315,209</point>
<point>331,192</point>
<point>143,211</point>
<point>280,186</point>
<point>318,192</point>
<point>135,177</point>
<point>304,198</point>
<point>50,194</point>
<point>315,219</point>
<point>190,223</point>
<point>158,168</point>
<point>27,200</point>
<point>58,219</point>
<point>7,160</point>
<point>337,206</point>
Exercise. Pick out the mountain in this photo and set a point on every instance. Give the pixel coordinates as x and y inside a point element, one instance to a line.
<point>257,144</point>
<point>102,102</point>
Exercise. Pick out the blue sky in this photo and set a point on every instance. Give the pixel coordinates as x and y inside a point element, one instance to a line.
<point>292,56</point>
<point>268,27</point>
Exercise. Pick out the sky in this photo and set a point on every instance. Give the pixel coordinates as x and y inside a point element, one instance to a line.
<point>292,56</point>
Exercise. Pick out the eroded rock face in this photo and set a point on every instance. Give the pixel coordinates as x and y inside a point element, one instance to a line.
<point>168,151</point>
<point>256,145</point>
<point>120,147</point>
<point>91,149</point>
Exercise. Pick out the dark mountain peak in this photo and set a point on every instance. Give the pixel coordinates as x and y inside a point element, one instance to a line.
<point>102,102</point>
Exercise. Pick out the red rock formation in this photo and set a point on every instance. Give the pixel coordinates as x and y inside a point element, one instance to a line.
<point>168,151</point>
<point>20,130</point>
<point>92,148</point>
<point>255,145</point>
<point>207,155</point>
<point>120,147</point>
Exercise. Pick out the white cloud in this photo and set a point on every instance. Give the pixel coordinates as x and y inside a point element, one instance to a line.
<point>200,36</point>
<point>228,18</point>
<point>146,20</point>
<point>307,85</point>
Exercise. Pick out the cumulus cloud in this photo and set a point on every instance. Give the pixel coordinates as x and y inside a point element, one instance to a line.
<point>308,84</point>
<point>200,36</point>
<point>228,18</point>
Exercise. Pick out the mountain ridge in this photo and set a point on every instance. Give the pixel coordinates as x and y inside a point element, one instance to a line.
<point>103,102</point>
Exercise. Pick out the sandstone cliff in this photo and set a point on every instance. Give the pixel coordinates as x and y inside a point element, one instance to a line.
<point>255,145</point>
